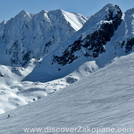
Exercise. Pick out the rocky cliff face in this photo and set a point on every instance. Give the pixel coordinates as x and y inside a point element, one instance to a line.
<point>94,43</point>
<point>127,39</point>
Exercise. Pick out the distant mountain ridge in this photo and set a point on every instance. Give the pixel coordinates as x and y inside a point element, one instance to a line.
<point>28,36</point>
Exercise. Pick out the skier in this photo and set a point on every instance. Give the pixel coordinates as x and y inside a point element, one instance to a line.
<point>8,116</point>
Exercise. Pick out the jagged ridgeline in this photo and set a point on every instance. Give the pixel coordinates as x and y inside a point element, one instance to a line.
<point>105,35</point>
<point>94,42</point>
<point>28,36</point>
<point>60,41</point>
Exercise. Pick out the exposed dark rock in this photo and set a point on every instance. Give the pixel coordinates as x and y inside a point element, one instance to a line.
<point>26,58</point>
<point>129,45</point>
<point>14,51</point>
<point>1,74</point>
<point>71,80</point>
<point>93,43</point>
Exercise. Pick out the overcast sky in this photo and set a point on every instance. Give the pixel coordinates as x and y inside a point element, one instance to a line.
<point>9,8</point>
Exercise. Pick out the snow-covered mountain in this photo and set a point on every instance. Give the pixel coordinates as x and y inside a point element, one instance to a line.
<point>102,100</point>
<point>24,41</point>
<point>28,36</point>
<point>107,34</point>
<point>45,52</point>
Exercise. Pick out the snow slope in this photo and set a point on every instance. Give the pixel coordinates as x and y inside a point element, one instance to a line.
<point>103,99</point>
<point>15,93</point>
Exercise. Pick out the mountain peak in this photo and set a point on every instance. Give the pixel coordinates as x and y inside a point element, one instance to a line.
<point>107,13</point>
<point>42,12</point>
<point>111,7</point>
<point>23,13</point>
<point>4,22</point>
<point>130,11</point>
<point>57,11</point>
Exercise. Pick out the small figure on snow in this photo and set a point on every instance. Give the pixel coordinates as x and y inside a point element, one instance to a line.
<point>8,116</point>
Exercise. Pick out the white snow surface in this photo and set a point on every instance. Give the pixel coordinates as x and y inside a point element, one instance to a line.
<point>14,92</point>
<point>103,99</point>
